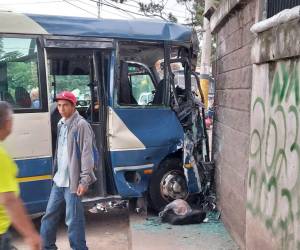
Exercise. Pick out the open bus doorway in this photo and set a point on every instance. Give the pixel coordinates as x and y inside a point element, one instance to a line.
<point>84,73</point>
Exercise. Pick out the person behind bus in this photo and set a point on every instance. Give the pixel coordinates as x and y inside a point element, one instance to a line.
<point>22,97</point>
<point>35,99</point>
<point>11,206</point>
<point>73,168</point>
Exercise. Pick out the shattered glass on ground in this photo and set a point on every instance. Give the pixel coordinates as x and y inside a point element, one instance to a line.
<point>210,235</point>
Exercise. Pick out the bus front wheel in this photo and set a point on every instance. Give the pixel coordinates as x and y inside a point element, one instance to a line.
<point>167,183</point>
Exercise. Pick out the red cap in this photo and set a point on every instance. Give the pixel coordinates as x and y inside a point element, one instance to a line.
<point>67,95</point>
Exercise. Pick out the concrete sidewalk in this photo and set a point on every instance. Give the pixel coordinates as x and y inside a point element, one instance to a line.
<point>148,233</point>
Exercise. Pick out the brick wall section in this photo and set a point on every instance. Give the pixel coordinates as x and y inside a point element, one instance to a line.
<point>233,74</point>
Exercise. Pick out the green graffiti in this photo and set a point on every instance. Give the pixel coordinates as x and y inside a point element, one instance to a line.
<point>274,180</point>
<point>273,124</point>
<point>252,181</point>
<point>286,193</point>
<point>273,183</point>
<point>258,150</point>
<point>263,183</point>
<point>294,86</point>
<point>293,109</point>
<point>285,84</point>
<point>260,101</point>
<point>281,153</point>
<point>281,110</point>
<point>278,88</point>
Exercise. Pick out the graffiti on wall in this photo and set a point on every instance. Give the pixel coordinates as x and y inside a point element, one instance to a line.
<point>274,175</point>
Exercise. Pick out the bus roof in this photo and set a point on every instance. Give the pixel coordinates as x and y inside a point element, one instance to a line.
<point>137,29</point>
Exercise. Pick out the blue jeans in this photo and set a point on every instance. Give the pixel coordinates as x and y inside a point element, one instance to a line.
<point>5,241</point>
<point>61,198</point>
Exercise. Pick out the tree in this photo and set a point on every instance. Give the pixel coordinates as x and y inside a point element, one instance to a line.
<point>157,9</point>
<point>196,10</point>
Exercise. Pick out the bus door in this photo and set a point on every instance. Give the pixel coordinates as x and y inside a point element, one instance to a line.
<point>143,129</point>
<point>23,85</point>
<point>82,67</point>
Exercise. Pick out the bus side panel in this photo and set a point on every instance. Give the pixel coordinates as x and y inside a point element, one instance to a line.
<point>35,183</point>
<point>31,136</point>
<point>139,161</point>
<point>35,167</point>
<point>140,139</point>
<point>35,195</point>
<point>30,146</point>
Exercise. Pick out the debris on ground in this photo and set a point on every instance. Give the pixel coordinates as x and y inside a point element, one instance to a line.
<point>179,212</point>
<point>106,206</point>
<point>155,224</point>
<point>179,207</point>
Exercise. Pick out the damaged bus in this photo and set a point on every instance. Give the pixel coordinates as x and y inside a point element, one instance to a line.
<point>150,133</point>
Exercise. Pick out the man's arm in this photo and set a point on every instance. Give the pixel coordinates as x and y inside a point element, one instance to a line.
<point>20,220</point>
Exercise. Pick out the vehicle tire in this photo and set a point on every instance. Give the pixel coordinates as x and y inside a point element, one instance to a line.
<point>167,184</point>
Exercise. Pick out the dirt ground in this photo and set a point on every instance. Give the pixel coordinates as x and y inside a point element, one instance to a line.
<point>103,231</point>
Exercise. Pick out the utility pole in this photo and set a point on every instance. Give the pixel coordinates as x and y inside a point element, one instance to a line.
<point>99,3</point>
<point>205,64</point>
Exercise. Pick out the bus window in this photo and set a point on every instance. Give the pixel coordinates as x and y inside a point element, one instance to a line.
<point>142,86</point>
<point>141,82</point>
<point>70,73</point>
<point>71,70</point>
<point>19,78</point>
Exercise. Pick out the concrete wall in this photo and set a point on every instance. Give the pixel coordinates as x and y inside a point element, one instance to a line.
<point>231,135</point>
<point>274,175</point>
<point>273,201</point>
<point>256,138</point>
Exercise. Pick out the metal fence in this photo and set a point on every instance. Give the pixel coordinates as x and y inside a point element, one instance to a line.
<point>275,6</point>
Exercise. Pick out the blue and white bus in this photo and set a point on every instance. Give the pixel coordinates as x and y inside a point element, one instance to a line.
<point>121,72</point>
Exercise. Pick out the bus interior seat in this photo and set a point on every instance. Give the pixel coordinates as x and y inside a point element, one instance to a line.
<point>125,94</point>
<point>22,97</point>
<point>159,93</point>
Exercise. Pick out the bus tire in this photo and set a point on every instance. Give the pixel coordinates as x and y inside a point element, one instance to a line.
<point>167,184</point>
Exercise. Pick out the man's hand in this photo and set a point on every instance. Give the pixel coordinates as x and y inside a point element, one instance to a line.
<point>34,241</point>
<point>81,190</point>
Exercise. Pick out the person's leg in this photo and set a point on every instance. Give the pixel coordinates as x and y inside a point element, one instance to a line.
<point>51,219</point>
<point>75,221</point>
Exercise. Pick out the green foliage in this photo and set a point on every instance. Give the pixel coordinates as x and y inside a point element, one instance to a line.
<point>77,83</point>
<point>21,71</point>
<point>172,18</point>
<point>141,84</point>
<point>196,10</point>
<point>22,74</point>
<point>157,9</point>
<point>194,7</point>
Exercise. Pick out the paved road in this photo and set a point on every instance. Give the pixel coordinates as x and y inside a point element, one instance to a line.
<point>107,231</point>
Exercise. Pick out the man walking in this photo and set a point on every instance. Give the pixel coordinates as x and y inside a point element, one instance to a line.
<point>11,207</point>
<point>73,173</point>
